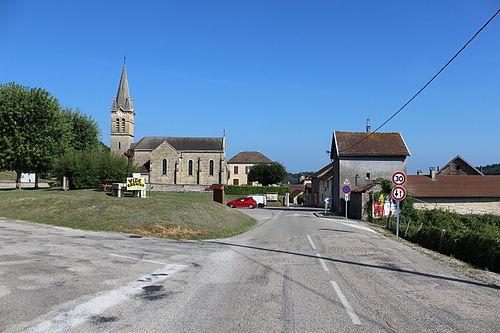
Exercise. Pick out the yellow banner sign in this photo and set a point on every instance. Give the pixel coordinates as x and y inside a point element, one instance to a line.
<point>136,184</point>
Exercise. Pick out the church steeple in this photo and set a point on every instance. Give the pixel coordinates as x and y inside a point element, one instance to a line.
<point>122,117</point>
<point>123,101</point>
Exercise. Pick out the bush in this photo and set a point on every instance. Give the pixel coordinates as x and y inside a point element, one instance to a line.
<point>246,190</point>
<point>471,238</point>
<point>87,169</point>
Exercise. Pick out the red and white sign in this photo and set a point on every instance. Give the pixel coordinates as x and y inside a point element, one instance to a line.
<point>399,178</point>
<point>398,193</point>
<point>346,189</point>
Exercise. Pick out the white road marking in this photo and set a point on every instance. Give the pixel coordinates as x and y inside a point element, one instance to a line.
<point>67,320</point>
<point>311,242</point>
<point>325,267</point>
<point>127,257</point>
<point>354,225</point>
<point>346,304</point>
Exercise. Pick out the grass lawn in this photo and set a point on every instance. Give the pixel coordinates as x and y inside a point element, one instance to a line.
<point>168,215</point>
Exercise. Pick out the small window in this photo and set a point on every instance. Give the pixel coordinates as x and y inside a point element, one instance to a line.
<point>119,145</point>
<point>211,168</point>
<point>235,169</point>
<point>164,167</point>
<point>190,168</point>
<point>368,175</point>
<point>247,169</point>
<point>236,182</point>
<point>117,125</point>
<point>123,125</point>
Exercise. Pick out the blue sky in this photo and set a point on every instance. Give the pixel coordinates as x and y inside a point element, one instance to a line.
<point>279,76</point>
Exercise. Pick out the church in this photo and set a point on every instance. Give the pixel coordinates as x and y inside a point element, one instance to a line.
<point>168,161</point>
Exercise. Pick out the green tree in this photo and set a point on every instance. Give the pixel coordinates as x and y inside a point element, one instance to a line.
<point>32,130</point>
<point>267,174</point>
<point>83,132</point>
<point>86,169</point>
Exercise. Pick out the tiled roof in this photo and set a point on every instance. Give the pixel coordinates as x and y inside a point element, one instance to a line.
<point>249,157</point>
<point>181,144</point>
<point>326,170</point>
<point>453,186</point>
<point>376,144</point>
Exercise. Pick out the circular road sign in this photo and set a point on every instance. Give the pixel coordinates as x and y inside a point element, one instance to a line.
<point>398,193</point>
<point>399,178</point>
<point>346,189</point>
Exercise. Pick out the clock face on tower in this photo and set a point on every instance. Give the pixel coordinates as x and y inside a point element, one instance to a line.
<point>119,114</point>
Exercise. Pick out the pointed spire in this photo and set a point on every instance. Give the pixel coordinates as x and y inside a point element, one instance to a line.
<point>123,100</point>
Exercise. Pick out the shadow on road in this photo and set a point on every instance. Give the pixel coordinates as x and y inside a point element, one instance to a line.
<point>337,230</point>
<point>433,276</point>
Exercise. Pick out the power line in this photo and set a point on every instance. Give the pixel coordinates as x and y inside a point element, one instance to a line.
<point>425,85</point>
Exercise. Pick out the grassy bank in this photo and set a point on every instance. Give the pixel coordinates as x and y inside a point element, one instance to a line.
<point>168,215</point>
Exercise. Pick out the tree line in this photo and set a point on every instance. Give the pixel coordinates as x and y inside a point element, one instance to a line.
<point>38,135</point>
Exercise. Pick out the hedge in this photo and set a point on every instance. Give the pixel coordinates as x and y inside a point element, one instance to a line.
<point>472,238</point>
<point>246,190</point>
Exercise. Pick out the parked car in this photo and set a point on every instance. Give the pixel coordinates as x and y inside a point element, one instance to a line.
<point>259,198</point>
<point>243,202</point>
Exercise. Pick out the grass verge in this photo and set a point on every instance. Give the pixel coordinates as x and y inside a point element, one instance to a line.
<point>167,215</point>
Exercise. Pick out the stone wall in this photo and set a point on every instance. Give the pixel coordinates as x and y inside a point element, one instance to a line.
<point>461,205</point>
<point>178,188</point>
<point>242,175</point>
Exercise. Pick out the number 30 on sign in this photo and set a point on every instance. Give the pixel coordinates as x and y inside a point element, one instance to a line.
<point>398,193</point>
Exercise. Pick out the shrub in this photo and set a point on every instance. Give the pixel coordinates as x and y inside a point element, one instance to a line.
<point>86,169</point>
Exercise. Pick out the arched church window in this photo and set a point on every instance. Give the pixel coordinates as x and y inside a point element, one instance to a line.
<point>164,167</point>
<point>190,168</point>
<point>211,168</point>
<point>123,125</point>
<point>117,125</point>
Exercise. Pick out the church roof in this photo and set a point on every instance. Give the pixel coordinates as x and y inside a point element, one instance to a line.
<point>180,143</point>
<point>251,157</point>
<point>123,100</point>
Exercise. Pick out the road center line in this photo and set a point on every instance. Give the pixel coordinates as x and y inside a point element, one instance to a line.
<point>346,304</point>
<point>81,313</point>
<point>311,242</point>
<point>325,267</point>
<point>127,257</point>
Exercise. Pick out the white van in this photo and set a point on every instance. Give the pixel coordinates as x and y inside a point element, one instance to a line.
<point>260,199</point>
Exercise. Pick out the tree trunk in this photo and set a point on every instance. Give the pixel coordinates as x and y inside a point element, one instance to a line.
<point>18,179</point>
<point>36,180</point>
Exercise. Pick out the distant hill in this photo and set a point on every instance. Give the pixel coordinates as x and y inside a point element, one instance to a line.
<point>493,169</point>
<point>293,178</point>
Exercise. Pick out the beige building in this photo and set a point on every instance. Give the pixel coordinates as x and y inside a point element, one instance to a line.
<point>167,160</point>
<point>239,166</point>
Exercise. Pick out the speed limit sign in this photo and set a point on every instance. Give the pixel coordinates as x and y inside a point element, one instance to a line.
<point>398,193</point>
<point>399,178</point>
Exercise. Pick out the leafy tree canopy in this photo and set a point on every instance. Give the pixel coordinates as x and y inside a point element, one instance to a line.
<point>267,174</point>
<point>492,169</point>
<point>83,132</point>
<point>32,131</point>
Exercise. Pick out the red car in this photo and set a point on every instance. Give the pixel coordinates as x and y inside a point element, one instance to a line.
<point>243,202</point>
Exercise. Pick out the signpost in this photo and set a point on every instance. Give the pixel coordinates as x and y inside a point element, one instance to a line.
<point>398,193</point>
<point>327,202</point>
<point>346,189</point>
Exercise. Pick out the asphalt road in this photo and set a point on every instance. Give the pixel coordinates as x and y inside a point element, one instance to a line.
<point>293,272</point>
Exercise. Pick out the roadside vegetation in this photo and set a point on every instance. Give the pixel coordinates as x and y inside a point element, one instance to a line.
<point>166,215</point>
<point>472,238</point>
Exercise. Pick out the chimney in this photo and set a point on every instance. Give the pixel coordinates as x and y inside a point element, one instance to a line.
<point>419,172</point>
<point>432,173</point>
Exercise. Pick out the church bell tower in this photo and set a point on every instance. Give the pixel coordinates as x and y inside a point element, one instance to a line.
<point>122,117</point>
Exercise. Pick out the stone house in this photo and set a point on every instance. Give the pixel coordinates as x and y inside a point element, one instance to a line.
<point>458,166</point>
<point>171,163</point>
<point>239,166</point>
<point>459,193</point>
<point>360,157</point>
<point>321,186</point>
